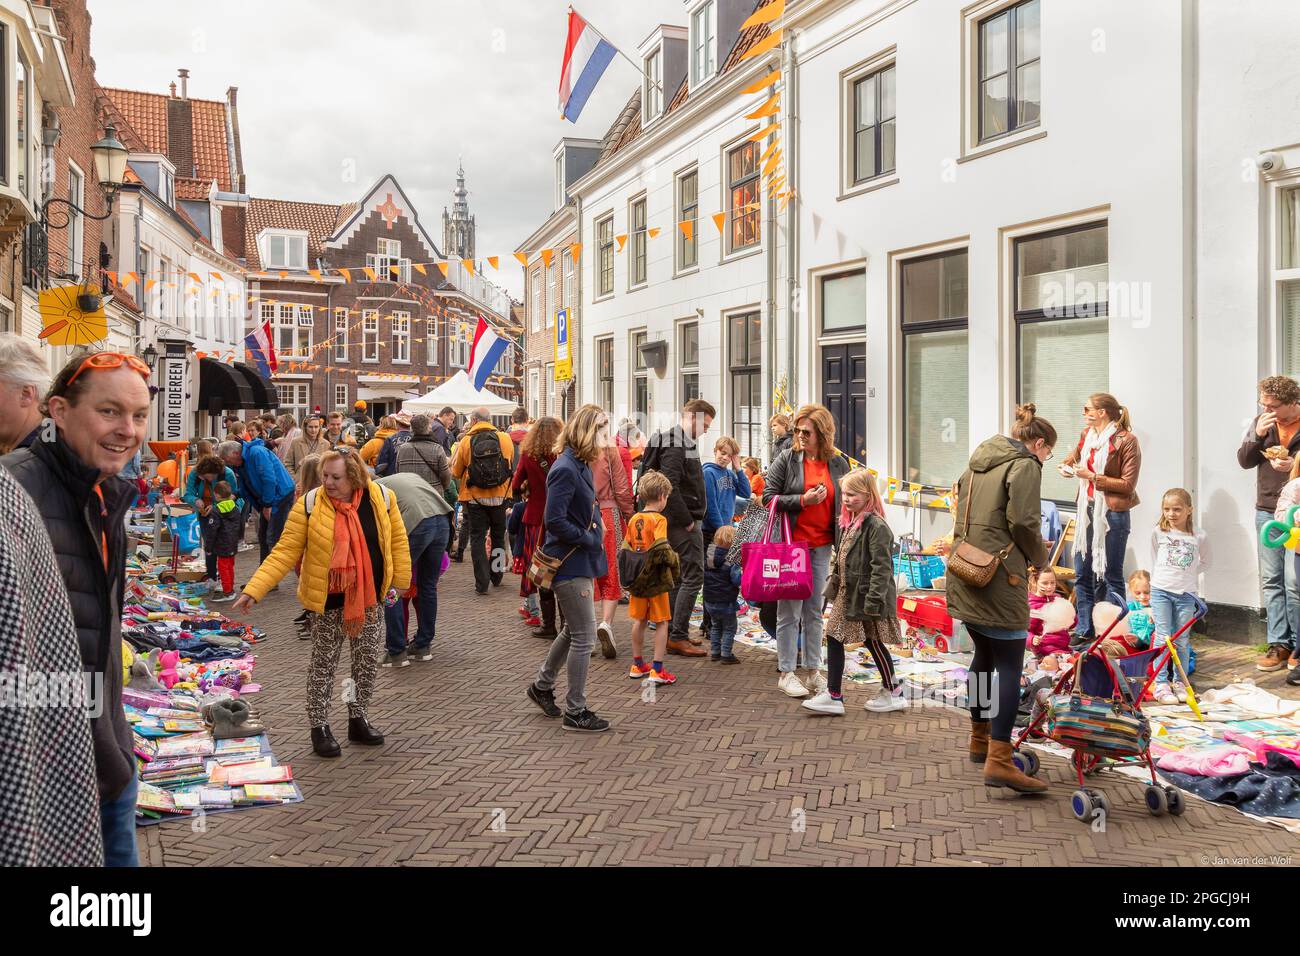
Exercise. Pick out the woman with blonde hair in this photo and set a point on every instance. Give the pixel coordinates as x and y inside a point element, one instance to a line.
<point>352,546</point>
<point>574,537</point>
<point>805,483</point>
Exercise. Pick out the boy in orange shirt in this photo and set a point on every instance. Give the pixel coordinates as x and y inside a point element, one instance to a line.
<point>645,529</point>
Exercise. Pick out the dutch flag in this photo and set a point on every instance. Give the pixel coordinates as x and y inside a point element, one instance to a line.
<point>261,347</point>
<point>484,353</point>
<point>586,54</point>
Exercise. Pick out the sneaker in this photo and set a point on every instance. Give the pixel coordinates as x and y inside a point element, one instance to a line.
<point>605,635</point>
<point>532,622</point>
<point>222,596</point>
<point>661,677</point>
<point>545,699</point>
<point>395,660</point>
<point>816,682</point>
<point>525,613</point>
<point>1275,659</point>
<point>715,656</point>
<point>791,685</point>
<point>886,702</point>
<point>585,722</point>
<point>1291,662</point>
<point>729,659</point>
<point>824,703</point>
<point>1293,678</point>
<point>245,546</point>
<point>1179,690</point>
<point>1163,693</point>
<point>420,653</point>
<point>637,672</point>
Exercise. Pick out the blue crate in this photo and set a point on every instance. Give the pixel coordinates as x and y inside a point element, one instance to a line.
<point>920,569</point>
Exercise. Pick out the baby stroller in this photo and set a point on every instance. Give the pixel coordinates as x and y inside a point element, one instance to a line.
<point>1095,709</point>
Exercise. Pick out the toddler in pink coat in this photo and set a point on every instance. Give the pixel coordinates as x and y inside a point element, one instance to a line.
<point>1046,612</point>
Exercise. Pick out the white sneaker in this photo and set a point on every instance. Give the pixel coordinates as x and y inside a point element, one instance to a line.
<point>1163,693</point>
<point>885,702</point>
<point>1179,690</point>
<point>824,703</point>
<point>605,637</point>
<point>816,682</point>
<point>792,685</point>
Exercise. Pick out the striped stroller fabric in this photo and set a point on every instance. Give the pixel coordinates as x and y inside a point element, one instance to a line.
<point>1087,721</point>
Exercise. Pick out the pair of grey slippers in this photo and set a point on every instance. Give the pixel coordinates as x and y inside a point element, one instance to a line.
<point>232,717</point>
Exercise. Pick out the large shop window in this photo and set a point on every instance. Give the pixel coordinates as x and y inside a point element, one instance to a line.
<point>1062,325</point>
<point>605,374</point>
<point>936,410</point>
<point>688,361</point>
<point>746,348</point>
<point>1009,68</point>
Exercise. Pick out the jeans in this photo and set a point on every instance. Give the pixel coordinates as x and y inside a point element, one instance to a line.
<point>722,627</point>
<point>809,611</point>
<point>689,546</point>
<point>268,532</point>
<point>1089,588</point>
<point>117,820</point>
<point>1277,581</point>
<point>428,541</point>
<point>1172,612</point>
<point>572,648</point>
<point>489,567</point>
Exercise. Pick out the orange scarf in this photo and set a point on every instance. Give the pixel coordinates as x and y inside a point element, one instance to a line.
<point>351,572</point>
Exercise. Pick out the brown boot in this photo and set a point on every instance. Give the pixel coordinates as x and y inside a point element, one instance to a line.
<point>979,741</point>
<point>999,771</point>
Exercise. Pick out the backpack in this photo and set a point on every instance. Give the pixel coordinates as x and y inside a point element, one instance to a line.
<point>309,499</point>
<point>488,468</point>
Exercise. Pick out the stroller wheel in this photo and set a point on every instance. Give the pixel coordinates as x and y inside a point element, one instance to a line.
<point>1025,761</point>
<point>1177,803</point>
<point>1157,801</point>
<point>1081,805</point>
<point>1100,802</point>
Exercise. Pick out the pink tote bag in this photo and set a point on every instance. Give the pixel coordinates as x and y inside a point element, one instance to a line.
<point>776,570</point>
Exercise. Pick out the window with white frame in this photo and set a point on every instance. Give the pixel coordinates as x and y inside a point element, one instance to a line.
<point>283,250</point>
<point>688,362</point>
<point>552,303</point>
<point>535,393</point>
<point>340,335</point>
<point>431,341</point>
<point>24,105</point>
<point>652,92</point>
<point>341,395</point>
<point>636,271</point>
<point>459,344</point>
<point>640,380</point>
<point>570,280</point>
<point>605,256</point>
<point>293,327</point>
<point>873,126</point>
<point>748,423</point>
<point>76,221</point>
<point>370,335</point>
<point>1286,278</point>
<point>149,299</point>
<point>402,337</point>
<point>704,42</point>
<point>1009,70</point>
<point>166,292</point>
<point>935,337</point>
<point>535,303</point>
<point>388,263</point>
<point>742,197</point>
<point>294,398</point>
<point>1061,302</point>
<point>688,211</point>
<point>605,374</point>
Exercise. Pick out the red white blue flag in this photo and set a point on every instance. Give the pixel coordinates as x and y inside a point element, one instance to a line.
<point>261,347</point>
<point>484,353</point>
<point>586,55</point>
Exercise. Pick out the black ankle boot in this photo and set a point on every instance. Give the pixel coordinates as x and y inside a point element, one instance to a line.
<point>323,742</point>
<point>360,731</point>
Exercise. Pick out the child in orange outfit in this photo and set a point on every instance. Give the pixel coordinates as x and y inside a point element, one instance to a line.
<point>644,530</point>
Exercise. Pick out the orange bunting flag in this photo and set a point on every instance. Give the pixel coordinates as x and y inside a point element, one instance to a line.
<point>653,232</point>
<point>762,84</point>
<point>419,267</point>
<point>523,258</point>
<point>762,46</point>
<point>772,163</point>
<point>621,240</point>
<point>346,274</point>
<point>370,273</point>
<point>763,133</point>
<point>194,276</point>
<point>468,264</point>
<point>718,219</point>
<point>767,153</point>
<point>112,277</point>
<point>546,257</point>
<point>315,274</point>
<point>769,108</point>
<point>284,273</point>
<point>201,355</point>
<point>575,251</point>
<point>687,226</point>
<point>765,14</point>
<point>444,266</point>
<point>218,276</point>
<point>494,262</point>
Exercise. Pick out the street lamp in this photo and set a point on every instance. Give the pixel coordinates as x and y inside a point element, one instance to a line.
<point>150,356</point>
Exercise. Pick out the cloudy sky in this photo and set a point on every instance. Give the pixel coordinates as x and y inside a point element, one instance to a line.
<point>400,86</point>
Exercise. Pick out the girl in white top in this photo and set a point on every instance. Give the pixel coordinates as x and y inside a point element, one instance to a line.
<point>1178,556</point>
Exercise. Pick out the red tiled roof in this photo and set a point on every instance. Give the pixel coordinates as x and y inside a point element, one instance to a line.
<point>146,115</point>
<point>193,189</point>
<point>121,296</point>
<point>317,219</point>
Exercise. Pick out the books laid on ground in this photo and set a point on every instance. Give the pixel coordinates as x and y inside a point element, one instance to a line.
<point>242,776</point>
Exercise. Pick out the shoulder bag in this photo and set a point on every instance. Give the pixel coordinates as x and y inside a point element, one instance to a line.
<point>969,564</point>
<point>543,568</point>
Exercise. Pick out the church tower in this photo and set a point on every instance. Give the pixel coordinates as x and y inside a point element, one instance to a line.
<point>458,224</point>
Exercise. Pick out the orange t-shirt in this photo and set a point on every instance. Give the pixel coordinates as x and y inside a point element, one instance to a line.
<point>1286,432</point>
<point>816,522</point>
<point>645,528</point>
<point>756,485</point>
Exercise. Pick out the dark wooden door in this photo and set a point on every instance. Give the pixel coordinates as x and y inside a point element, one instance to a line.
<point>844,392</point>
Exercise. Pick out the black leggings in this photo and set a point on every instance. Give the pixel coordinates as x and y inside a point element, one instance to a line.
<point>1006,658</point>
<point>835,665</point>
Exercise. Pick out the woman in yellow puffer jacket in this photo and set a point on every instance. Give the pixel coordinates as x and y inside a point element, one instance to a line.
<point>370,450</point>
<point>349,536</point>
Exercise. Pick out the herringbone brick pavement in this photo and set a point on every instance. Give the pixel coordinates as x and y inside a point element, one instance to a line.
<point>720,769</point>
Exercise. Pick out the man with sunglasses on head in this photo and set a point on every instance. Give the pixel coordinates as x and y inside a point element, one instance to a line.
<point>98,416</point>
<point>265,482</point>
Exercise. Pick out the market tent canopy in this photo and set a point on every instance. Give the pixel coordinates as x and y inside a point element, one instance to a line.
<point>458,393</point>
<point>222,388</point>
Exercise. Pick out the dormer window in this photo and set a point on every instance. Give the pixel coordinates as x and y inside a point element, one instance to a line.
<point>284,250</point>
<point>652,87</point>
<point>704,43</point>
<point>166,186</point>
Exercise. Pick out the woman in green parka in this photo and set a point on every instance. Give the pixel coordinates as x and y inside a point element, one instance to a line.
<point>999,511</point>
<point>863,596</point>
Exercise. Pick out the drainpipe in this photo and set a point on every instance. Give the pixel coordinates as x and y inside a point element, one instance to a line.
<point>791,99</point>
<point>575,347</point>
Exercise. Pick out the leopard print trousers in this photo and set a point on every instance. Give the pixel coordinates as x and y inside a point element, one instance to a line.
<point>327,639</point>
